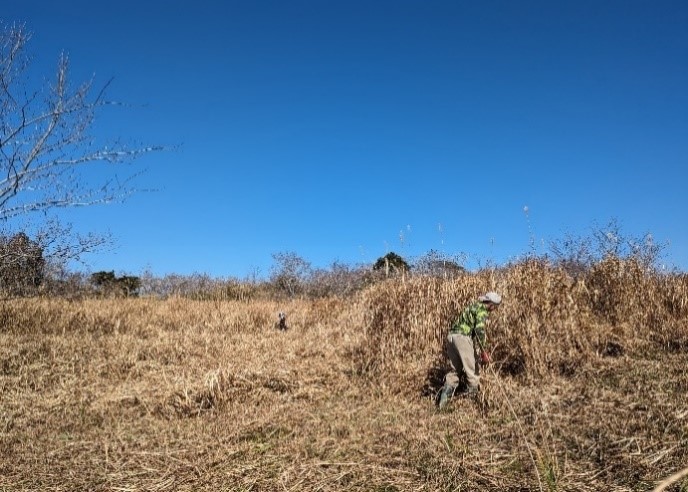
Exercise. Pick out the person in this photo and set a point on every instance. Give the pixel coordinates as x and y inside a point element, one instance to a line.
<point>467,338</point>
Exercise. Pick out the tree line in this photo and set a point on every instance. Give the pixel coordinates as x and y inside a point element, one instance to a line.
<point>24,271</point>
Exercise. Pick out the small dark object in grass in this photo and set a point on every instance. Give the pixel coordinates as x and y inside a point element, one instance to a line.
<point>282,323</point>
<point>613,349</point>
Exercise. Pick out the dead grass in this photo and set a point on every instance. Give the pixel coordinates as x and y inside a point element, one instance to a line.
<point>586,393</point>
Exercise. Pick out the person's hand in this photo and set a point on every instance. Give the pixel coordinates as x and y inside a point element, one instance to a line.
<point>485,358</point>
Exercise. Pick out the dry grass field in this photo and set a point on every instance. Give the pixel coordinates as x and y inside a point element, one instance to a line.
<point>587,390</point>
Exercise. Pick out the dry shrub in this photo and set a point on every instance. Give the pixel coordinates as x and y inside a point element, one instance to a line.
<point>541,328</point>
<point>668,309</point>
<point>621,290</point>
<point>651,306</point>
<point>549,323</point>
<point>405,324</point>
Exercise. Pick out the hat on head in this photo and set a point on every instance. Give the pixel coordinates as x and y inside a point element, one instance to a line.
<point>492,297</point>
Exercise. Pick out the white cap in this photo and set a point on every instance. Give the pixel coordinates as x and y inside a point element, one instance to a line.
<point>492,297</point>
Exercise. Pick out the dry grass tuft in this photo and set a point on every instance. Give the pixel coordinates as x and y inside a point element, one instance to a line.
<point>587,391</point>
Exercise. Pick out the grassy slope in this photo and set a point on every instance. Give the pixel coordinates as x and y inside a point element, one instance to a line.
<point>184,395</point>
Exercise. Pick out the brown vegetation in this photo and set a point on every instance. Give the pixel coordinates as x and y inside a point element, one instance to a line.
<point>586,392</point>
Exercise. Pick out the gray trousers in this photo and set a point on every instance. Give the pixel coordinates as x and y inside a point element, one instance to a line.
<point>462,357</point>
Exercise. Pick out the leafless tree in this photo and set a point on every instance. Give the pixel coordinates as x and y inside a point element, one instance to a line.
<point>290,273</point>
<point>45,144</point>
<point>45,140</point>
<point>437,264</point>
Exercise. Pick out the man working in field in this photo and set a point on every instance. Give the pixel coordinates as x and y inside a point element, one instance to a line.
<point>467,337</point>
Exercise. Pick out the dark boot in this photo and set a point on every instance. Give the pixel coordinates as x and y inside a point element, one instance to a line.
<point>445,396</point>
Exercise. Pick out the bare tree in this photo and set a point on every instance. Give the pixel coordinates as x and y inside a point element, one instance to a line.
<point>437,264</point>
<point>45,144</point>
<point>45,140</point>
<point>290,273</point>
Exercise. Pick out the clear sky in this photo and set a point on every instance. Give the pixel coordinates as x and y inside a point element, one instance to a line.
<point>343,130</point>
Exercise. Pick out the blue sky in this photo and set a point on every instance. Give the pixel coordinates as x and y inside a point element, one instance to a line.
<point>345,130</point>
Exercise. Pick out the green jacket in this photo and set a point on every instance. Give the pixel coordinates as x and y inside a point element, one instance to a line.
<point>471,322</point>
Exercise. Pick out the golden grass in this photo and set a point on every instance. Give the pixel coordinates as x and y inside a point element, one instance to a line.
<point>587,391</point>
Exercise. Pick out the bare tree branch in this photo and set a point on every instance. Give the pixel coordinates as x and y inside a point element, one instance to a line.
<point>44,141</point>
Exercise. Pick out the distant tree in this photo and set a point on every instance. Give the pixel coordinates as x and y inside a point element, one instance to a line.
<point>339,280</point>
<point>104,282</point>
<point>22,266</point>
<point>109,284</point>
<point>67,284</point>
<point>391,263</point>
<point>577,254</point>
<point>437,264</point>
<point>103,279</point>
<point>45,143</point>
<point>290,273</point>
<point>129,285</point>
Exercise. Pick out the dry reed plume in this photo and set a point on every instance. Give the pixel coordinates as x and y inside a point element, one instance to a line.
<point>586,392</point>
